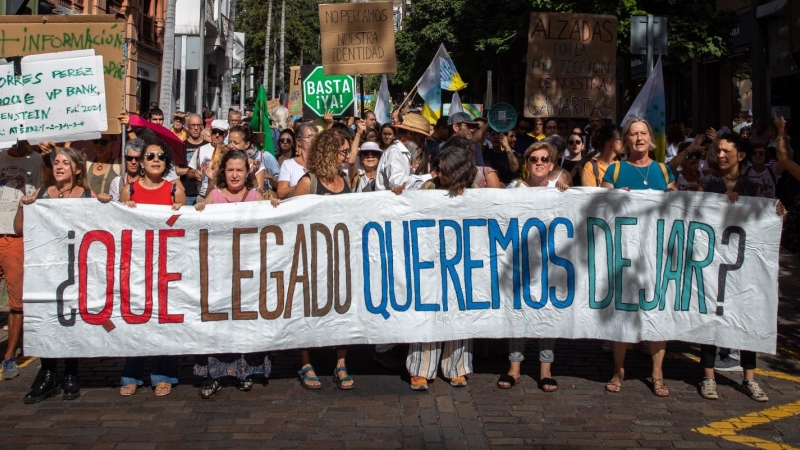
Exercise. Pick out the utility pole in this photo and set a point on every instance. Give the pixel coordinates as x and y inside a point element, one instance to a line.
<point>266,47</point>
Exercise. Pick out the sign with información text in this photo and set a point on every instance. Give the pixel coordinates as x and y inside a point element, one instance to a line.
<point>34,35</point>
<point>378,268</point>
<point>357,38</point>
<point>322,93</point>
<point>571,66</point>
<point>52,97</point>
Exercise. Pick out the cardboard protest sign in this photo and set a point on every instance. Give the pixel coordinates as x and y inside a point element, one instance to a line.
<point>272,104</point>
<point>56,96</point>
<point>31,35</point>
<point>421,267</point>
<point>571,67</point>
<point>357,38</point>
<point>295,104</point>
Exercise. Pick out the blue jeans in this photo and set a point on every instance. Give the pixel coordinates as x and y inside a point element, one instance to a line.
<point>191,201</point>
<point>165,370</point>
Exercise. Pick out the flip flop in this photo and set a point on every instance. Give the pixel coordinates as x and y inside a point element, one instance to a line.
<point>544,382</point>
<point>163,389</point>
<point>615,385</point>
<point>509,380</point>
<point>660,388</point>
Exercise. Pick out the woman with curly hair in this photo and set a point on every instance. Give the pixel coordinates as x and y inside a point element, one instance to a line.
<point>454,170</point>
<point>324,165</point>
<point>233,186</point>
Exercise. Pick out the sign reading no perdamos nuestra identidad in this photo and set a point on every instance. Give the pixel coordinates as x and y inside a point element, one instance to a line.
<point>322,93</point>
<point>357,38</point>
<point>571,67</point>
<point>423,267</point>
<point>52,97</point>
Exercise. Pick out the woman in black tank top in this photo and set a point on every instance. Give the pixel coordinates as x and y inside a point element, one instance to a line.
<point>324,164</point>
<point>70,182</point>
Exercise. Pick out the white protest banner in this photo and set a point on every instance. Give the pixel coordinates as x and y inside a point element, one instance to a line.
<point>104,279</point>
<point>57,96</point>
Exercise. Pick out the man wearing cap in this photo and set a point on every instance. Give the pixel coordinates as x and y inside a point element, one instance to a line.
<point>203,156</point>
<point>459,124</point>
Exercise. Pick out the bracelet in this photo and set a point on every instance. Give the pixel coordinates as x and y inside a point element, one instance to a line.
<point>779,138</point>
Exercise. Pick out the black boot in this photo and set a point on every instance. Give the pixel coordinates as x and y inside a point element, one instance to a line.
<point>72,389</point>
<point>45,385</point>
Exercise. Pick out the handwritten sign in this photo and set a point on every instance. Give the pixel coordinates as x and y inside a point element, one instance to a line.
<point>272,104</point>
<point>30,35</point>
<point>56,96</point>
<point>295,104</point>
<point>357,38</point>
<point>571,67</point>
<point>422,267</point>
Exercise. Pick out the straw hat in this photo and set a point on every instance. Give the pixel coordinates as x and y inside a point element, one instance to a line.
<point>416,123</point>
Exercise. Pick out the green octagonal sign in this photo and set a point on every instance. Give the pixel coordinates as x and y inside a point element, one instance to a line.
<point>328,92</point>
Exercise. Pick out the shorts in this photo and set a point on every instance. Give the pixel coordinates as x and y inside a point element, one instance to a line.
<point>12,254</point>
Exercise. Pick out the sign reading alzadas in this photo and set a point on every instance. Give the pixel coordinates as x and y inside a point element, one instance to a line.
<point>357,38</point>
<point>335,93</point>
<point>571,69</point>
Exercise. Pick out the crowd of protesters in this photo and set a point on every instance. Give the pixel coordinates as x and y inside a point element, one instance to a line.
<point>222,162</point>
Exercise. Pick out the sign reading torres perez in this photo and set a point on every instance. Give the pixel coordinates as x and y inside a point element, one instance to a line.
<point>571,66</point>
<point>327,92</point>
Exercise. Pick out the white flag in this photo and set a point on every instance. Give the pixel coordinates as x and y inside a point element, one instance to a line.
<point>383,106</point>
<point>455,105</point>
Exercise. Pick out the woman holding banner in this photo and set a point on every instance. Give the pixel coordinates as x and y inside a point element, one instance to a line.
<point>326,158</point>
<point>540,162</point>
<point>233,185</point>
<point>453,170</point>
<point>152,189</point>
<point>69,182</point>
<point>639,172</point>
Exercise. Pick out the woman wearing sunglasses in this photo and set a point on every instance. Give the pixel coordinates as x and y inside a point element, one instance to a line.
<point>101,171</point>
<point>68,182</point>
<point>133,150</point>
<point>233,185</point>
<point>576,159</point>
<point>539,162</point>
<point>286,146</point>
<point>362,176</point>
<point>326,159</point>
<point>152,189</point>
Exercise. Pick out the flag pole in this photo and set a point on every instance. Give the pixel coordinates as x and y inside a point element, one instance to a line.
<point>409,96</point>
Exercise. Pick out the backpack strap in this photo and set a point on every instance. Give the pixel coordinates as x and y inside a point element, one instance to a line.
<point>314,181</point>
<point>664,171</point>
<point>596,171</point>
<point>616,171</point>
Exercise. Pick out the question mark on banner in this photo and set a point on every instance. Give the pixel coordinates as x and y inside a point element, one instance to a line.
<point>725,268</point>
<point>62,318</point>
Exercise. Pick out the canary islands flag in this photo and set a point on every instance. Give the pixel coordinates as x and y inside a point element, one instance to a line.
<point>650,105</point>
<point>441,74</point>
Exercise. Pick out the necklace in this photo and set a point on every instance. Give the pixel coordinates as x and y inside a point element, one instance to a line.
<point>61,193</point>
<point>99,166</point>
<point>645,178</point>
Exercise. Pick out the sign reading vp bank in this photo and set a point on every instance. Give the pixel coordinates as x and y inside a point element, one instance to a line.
<point>321,93</point>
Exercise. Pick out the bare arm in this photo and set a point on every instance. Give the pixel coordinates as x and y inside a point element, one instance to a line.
<point>480,134</point>
<point>303,187</point>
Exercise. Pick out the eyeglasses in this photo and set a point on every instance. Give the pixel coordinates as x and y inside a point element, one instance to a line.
<point>344,152</point>
<point>693,155</point>
<point>370,154</point>
<point>219,132</point>
<point>194,125</point>
<point>151,156</point>
<point>285,141</point>
<point>758,153</point>
<point>575,142</point>
<point>308,136</point>
<point>535,159</point>
<point>130,158</point>
<point>101,141</point>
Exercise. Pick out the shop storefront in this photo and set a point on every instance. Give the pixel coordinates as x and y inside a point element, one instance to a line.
<point>147,86</point>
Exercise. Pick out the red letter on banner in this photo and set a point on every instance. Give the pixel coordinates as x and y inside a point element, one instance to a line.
<point>105,238</point>
<point>165,277</point>
<point>125,277</point>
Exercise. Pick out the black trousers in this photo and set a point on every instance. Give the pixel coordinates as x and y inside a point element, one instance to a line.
<point>708,354</point>
<point>70,365</point>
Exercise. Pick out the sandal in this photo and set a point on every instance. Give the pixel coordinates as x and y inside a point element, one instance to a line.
<point>209,388</point>
<point>458,381</point>
<point>419,384</point>
<point>753,390</point>
<point>244,385</point>
<point>615,385</point>
<point>548,384</point>
<point>305,378</point>
<point>708,389</point>
<point>128,390</point>
<point>509,381</point>
<point>339,381</point>
<point>660,388</point>
<point>163,389</point>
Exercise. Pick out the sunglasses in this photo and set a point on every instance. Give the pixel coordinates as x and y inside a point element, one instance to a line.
<point>219,132</point>
<point>693,155</point>
<point>370,154</point>
<point>575,142</point>
<point>535,159</point>
<point>101,141</point>
<point>285,141</point>
<point>131,158</point>
<point>151,156</point>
